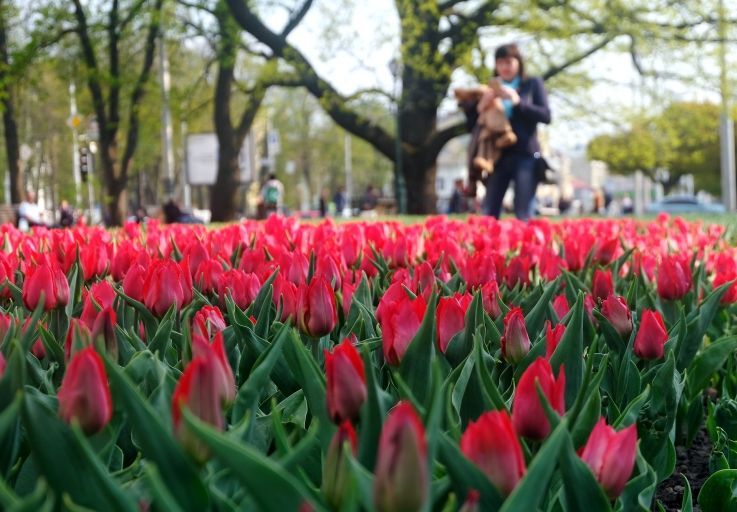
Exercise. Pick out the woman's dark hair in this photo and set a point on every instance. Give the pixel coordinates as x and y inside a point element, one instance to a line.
<point>510,50</point>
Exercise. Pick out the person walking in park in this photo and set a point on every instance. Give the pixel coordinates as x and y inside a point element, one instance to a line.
<point>525,104</point>
<point>272,195</point>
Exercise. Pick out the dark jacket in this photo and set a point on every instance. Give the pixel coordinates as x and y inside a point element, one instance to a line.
<point>532,109</point>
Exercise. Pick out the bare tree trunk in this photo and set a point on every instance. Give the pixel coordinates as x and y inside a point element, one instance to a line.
<point>12,142</point>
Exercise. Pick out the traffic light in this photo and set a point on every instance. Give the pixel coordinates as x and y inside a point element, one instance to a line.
<point>83,163</point>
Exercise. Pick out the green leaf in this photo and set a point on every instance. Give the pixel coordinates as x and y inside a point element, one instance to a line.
<point>687,502</point>
<point>465,476</point>
<point>56,448</point>
<point>372,412</point>
<point>708,362</point>
<point>535,319</point>
<point>717,494</point>
<point>157,444</point>
<point>529,493</point>
<point>698,326</point>
<point>416,363</point>
<point>569,352</point>
<point>251,390</point>
<point>272,488</point>
<point>581,490</point>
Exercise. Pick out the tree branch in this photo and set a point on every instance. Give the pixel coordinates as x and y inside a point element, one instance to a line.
<point>551,72</point>
<point>333,103</point>
<point>441,137</point>
<point>295,18</point>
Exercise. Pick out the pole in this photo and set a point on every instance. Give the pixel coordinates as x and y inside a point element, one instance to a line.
<point>75,145</point>
<point>166,128</point>
<point>348,175</point>
<point>726,129</point>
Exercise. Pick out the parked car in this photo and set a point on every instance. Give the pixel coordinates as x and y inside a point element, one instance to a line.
<point>683,204</point>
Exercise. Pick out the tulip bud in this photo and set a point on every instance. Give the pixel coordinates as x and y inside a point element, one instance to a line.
<point>78,337</point>
<point>651,336</point>
<point>674,278</point>
<point>588,307</point>
<point>317,312</point>
<point>207,276</point>
<point>135,281</point>
<point>615,309</point>
<point>401,473</point>
<point>2,365</point>
<point>528,415</point>
<point>208,321</point>
<point>472,502</point>
<point>216,351</point>
<point>345,382</point>
<point>602,286</point>
<point>100,296</point>
<point>241,286</point>
<point>491,443</point>
<point>286,296</point>
<point>553,335</point>
<point>490,298</point>
<point>49,280</point>
<point>336,481</point>
<point>518,271</point>
<point>103,332</point>
<point>167,284</point>
<point>423,280</point>
<point>93,260</point>
<point>451,318</point>
<point>605,251</point>
<point>611,456</point>
<point>84,394</point>
<point>515,341</point>
<point>400,321</point>
<point>560,306</point>
<point>7,274</point>
<point>200,389</point>
<point>346,296</point>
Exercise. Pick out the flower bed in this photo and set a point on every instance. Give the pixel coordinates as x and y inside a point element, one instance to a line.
<point>473,365</point>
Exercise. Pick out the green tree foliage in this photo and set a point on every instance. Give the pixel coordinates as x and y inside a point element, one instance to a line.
<point>683,139</point>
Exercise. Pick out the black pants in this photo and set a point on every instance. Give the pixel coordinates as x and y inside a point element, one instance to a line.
<point>517,167</point>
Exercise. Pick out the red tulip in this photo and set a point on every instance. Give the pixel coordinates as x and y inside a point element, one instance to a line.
<point>479,270</point>
<point>207,322</point>
<point>94,260</point>
<point>560,305</point>
<point>451,318</point>
<point>47,279</point>
<point>674,278</point>
<point>327,267</point>
<point>400,321</point>
<point>103,332</point>
<point>395,293</point>
<point>7,273</point>
<point>518,271</point>
<point>553,335</point>
<point>345,386</point>
<point>616,310</point>
<point>202,347</point>
<point>515,341</point>
<point>490,298</point>
<point>78,337</point>
<point>2,365</point>
<point>207,276</point>
<point>286,296</point>
<point>241,286</point>
<point>167,284</point>
<point>401,474</point>
<point>651,336</point>
<point>135,282</point>
<point>317,313</point>
<point>588,307</point>
<point>491,443</point>
<point>346,296</point>
<point>528,416</point>
<point>84,394</point>
<point>195,254</point>
<point>611,456</point>
<point>602,286</point>
<point>200,389</point>
<point>605,251</point>
<point>101,295</point>
<point>423,279</point>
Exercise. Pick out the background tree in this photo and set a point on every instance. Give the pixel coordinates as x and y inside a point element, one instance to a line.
<point>682,139</point>
<point>109,84</point>
<point>438,38</point>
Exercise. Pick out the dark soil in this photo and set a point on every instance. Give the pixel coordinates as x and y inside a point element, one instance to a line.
<point>693,462</point>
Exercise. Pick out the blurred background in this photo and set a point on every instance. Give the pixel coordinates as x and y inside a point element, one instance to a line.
<point>121,107</point>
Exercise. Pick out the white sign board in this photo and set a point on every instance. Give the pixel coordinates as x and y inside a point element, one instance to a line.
<point>202,159</point>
